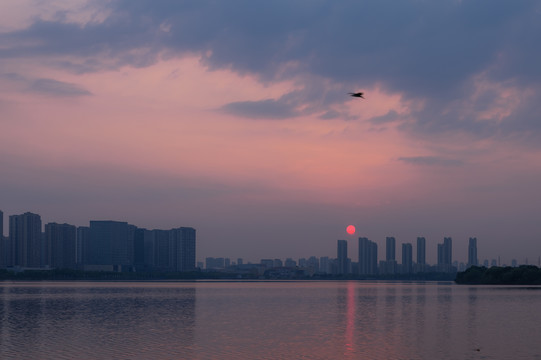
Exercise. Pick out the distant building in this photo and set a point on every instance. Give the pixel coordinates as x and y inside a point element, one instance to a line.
<point>472,252</point>
<point>214,263</point>
<point>325,265</point>
<point>182,249</point>
<point>407,258</point>
<point>83,239</point>
<point>368,257</point>
<point>160,249</point>
<point>138,258</point>
<point>5,248</point>
<point>267,263</point>
<point>312,265</point>
<point>108,246</point>
<point>290,263</point>
<point>342,257</point>
<point>445,255</point>
<point>240,261</point>
<point>390,248</point>
<point>421,254</point>
<point>61,240</point>
<point>25,237</point>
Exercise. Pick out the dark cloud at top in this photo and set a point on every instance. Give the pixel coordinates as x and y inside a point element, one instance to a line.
<point>423,49</point>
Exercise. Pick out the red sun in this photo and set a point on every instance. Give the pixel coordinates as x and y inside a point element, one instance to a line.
<point>350,229</point>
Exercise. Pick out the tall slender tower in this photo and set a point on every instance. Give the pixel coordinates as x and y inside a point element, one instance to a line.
<point>342,255</point>
<point>407,258</point>
<point>472,252</point>
<point>421,253</point>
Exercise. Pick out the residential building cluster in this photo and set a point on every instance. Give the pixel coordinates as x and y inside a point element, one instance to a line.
<point>101,246</point>
<point>367,260</point>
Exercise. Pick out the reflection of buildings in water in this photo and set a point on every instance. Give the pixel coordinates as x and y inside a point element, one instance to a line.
<point>420,315</point>
<point>472,318</point>
<point>97,321</point>
<point>444,317</point>
<point>389,315</point>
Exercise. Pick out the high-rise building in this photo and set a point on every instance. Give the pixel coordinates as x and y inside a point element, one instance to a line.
<point>342,257</point>
<point>368,257</point>
<point>25,237</point>
<point>60,240</point>
<point>108,246</point>
<point>288,263</point>
<point>390,248</point>
<point>4,248</point>
<point>445,255</point>
<point>139,248</point>
<point>421,254</point>
<point>182,249</point>
<point>160,240</point>
<point>407,258</point>
<point>313,264</point>
<point>472,252</point>
<point>325,265</point>
<point>83,239</point>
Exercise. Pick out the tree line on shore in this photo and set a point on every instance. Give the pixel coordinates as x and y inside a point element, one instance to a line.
<point>496,275</point>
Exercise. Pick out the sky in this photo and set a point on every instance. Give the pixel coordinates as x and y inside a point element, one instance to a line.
<point>233,117</point>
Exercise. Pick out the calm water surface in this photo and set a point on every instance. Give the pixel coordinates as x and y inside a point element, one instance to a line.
<point>268,320</point>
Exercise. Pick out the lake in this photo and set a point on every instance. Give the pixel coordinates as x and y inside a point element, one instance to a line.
<point>268,320</point>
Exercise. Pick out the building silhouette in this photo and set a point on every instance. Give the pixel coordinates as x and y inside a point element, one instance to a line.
<point>445,255</point>
<point>472,252</point>
<point>108,246</point>
<point>407,258</point>
<point>25,238</point>
<point>421,254</point>
<point>183,248</point>
<point>389,265</point>
<point>60,240</point>
<point>5,248</point>
<point>368,257</point>
<point>83,238</point>
<point>342,257</point>
<point>390,248</point>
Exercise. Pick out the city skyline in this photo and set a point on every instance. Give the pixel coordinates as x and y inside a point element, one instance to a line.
<point>103,245</point>
<point>442,251</point>
<point>240,123</point>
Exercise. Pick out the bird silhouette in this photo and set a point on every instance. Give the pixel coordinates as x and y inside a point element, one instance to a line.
<point>359,94</point>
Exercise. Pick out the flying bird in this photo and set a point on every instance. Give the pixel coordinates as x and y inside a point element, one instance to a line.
<point>359,94</point>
